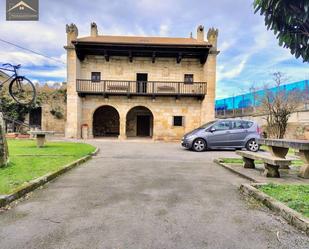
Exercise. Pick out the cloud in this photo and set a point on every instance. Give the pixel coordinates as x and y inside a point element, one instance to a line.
<point>249,53</point>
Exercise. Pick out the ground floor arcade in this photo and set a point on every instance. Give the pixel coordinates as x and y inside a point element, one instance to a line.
<point>163,118</point>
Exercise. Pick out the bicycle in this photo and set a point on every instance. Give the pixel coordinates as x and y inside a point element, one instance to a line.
<point>21,89</point>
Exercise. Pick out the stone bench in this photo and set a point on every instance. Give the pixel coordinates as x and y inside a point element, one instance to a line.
<point>271,163</point>
<point>280,148</point>
<point>118,88</point>
<point>166,89</point>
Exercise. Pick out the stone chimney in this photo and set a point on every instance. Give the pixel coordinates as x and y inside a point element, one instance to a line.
<point>200,33</point>
<point>72,33</point>
<point>212,37</point>
<point>94,29</point>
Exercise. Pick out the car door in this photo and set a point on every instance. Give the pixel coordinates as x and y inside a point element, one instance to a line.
<point>238,133</point>
<point>218,134</point>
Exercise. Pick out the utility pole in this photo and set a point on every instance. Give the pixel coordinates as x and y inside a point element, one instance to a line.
<point>4,152</point>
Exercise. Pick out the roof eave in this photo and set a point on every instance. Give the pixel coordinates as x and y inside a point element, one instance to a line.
<point>121,44</point>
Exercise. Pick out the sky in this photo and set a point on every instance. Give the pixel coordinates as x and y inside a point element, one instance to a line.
<point>249,54</point>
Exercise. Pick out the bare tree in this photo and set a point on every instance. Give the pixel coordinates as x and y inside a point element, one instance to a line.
<point>278,105</point>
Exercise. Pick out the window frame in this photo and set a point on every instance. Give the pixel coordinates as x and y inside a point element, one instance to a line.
<point>238,128</point>
<point>230,126</point>
<point>176,123</point>
<point>94,78</point>
<point>187,76</point>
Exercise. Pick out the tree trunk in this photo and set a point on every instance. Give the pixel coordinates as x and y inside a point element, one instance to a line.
<point>4,153</point>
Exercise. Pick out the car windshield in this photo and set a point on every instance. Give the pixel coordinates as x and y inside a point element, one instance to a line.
<point>207,125</point>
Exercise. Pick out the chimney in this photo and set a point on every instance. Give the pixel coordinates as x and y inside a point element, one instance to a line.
<point>72,33</point>
<point>94,29</point>
<point>212,37</point>
<point>200,33</point>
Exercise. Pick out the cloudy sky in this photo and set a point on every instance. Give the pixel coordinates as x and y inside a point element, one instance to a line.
<point>249,53</point>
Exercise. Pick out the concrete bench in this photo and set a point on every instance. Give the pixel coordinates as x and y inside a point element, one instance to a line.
<point>271,163</point>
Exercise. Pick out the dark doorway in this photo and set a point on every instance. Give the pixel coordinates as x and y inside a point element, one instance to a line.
<point>35,117</point>
<point>141,82</point>
<point>139,122</point>
<point>106,122</point>
<point>143,126</point>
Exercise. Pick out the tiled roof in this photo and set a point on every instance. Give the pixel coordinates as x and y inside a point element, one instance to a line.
<point>143,40</point>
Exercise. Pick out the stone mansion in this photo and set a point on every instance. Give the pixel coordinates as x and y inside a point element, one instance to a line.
<point>129,86</point>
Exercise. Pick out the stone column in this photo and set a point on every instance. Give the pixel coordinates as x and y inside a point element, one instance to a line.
<point>304,170</point>
<point>122,127</point>
<point>74,102</point>
<point>209,72</point>
<point>4,153</point>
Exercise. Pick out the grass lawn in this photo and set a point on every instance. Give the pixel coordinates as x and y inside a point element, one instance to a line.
<point>28,162</point>
<point>240,161</point>
<point>294,196</point>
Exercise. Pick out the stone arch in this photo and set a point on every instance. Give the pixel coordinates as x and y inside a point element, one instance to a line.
<point>106,122</point>
<point>139,122</point>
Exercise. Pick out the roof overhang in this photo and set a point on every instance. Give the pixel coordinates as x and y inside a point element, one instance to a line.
<point>153,51</point>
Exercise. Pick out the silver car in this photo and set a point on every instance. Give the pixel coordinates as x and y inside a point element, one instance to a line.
<point>223,133</point>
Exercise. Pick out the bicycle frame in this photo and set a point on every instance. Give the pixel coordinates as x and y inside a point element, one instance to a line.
<point>14,71</point>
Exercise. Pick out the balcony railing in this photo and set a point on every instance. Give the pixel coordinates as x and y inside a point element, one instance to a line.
<point>141,88</point>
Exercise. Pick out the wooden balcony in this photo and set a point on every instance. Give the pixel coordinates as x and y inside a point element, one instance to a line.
<point>141,88</point>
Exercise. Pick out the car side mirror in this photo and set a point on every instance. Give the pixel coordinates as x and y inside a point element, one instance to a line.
<point>212,129</point>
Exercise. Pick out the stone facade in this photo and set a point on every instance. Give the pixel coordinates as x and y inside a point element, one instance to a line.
<point>161,110</point>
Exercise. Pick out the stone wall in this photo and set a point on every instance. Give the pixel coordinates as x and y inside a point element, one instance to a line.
<point>51,122</point>
<point>119,68</point>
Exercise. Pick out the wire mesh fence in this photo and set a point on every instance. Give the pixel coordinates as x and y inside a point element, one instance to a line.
<point>249,103</point>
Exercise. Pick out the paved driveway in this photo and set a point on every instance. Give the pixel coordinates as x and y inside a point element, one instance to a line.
<point>145,195</point>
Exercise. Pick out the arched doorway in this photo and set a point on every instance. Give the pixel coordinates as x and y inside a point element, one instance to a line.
<point>139,122</point>
<point>106,122</point>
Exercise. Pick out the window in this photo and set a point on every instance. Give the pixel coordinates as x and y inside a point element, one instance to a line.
<point>247,124</point>
<point>178,121</point>
<point>188,78</point>
<point>222,125</point>
<point>238,124</point>
<point>95,76</point>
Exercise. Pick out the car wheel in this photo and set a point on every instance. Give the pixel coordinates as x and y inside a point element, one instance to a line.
<point>199,145</point>
<point>252,145</point>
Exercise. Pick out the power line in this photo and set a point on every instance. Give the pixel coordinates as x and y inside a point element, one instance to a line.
<point>32,51</point>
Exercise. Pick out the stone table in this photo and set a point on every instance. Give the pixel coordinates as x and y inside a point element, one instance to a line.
<point>41,136</point>
<point>280,148</point>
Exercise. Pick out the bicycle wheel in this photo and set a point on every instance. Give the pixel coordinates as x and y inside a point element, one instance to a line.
<point>22,90</point>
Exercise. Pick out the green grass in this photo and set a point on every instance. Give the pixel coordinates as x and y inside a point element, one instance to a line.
<point>294,196</point>
<point>240,161</point>
<point>27,162</point>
